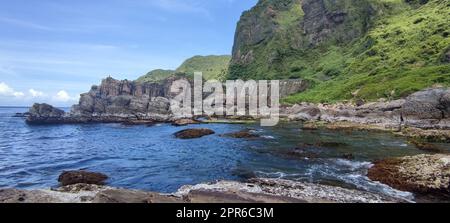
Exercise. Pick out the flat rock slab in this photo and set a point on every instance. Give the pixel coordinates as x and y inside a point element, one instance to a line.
<point>424,174</point>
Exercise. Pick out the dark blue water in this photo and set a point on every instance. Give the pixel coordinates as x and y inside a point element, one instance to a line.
<point>150,158</point>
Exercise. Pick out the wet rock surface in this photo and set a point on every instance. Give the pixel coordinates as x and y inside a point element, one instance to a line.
<point>244,134</point>
<point>77,177</point>
<point>256,190</point>
<point>184,122</point>
<point>423,174</point>
<point>193,133</point>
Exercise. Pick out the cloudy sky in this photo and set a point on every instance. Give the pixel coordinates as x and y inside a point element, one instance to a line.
<point>53,50</point>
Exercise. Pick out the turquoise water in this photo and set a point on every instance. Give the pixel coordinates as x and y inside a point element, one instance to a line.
<point>151,158</point>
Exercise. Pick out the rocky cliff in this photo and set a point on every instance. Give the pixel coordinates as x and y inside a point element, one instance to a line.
<point>346,48</point>
<point>113,101</point>
<point>128,101</point>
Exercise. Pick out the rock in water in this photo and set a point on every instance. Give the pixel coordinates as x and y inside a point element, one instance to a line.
<point>423,174</point>
<point>244,134</point>
<point>183,122</point>
<point>193,133</point>
<point>81,177</point>
<point>44,113</point>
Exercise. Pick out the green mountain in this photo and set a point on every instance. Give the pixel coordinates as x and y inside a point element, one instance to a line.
<point>212,67</point>
<point>155,76</point>
<point>347,49</point>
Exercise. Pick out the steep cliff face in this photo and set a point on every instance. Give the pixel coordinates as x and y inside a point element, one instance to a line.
<point>274,29</point>
<point>345,48</point>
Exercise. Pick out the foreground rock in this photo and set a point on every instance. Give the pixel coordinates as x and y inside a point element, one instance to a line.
<point>84,177</point>
<point>193,133</point>
<point>254,191</point>
<point>423,174</point>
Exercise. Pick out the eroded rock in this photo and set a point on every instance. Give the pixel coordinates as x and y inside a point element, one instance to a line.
<point>81,177</point>
<point>193,133</point>
<point>424,174</point>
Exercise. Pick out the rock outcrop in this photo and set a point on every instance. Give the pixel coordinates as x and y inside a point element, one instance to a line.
<point>193,133</point>
<point>244,134</point>
<point>114,101</point>
<point>44,113</point>
<point>81,177</point>
<point>427,109</point>
<point>423,174</point>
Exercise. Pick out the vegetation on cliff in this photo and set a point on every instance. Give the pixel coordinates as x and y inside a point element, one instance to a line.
<point>347,49</point>
<point>212,67</point>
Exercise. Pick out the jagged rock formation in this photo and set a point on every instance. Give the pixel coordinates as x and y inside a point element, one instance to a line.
<point>114,101</point>
<point>128,102</point>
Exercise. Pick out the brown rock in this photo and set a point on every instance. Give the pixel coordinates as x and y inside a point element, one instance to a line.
<point>423,174</point>
<point>428,147</point>
<point>81,177</point>
<point>183,122</point>
<point>193,133</point>
<point>244,134</point>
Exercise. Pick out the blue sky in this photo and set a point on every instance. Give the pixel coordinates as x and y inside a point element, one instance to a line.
<point>53,50</point>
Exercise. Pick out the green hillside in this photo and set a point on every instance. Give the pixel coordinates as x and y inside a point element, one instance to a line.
<point>155,76</point>
<point>212,67</point>
<point>348,49</point>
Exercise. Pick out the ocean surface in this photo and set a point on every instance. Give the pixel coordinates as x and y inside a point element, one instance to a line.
<point>151,158</point>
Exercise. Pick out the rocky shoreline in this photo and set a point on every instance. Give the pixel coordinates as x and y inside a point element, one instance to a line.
<point>253,191</point>
<point>422,175</point>
<point>424,115</point>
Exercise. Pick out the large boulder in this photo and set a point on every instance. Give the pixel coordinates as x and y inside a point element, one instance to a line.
<point>81,177</point>
<point>426,108</point>
<point>193,133</point>
<point>304,112</point>
<point>44,113</point>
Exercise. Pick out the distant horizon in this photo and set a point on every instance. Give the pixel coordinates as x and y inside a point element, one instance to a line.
<point>51,52</point>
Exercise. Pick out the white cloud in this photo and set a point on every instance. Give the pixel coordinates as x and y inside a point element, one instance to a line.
<point>6,90</point>
<point>63,96</point>
<point>36,94</point>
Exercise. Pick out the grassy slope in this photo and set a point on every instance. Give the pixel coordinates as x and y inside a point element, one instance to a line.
<point>213,67</point>
<point>155,76</point>
<point>400,54</point>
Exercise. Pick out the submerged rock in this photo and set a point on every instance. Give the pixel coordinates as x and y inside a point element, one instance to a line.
<point>244,134</point>
<point>77,177</point>
<point>423,174</point>
<point>21,115</point>
<point>428,147</point>
<point>193,133</point>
